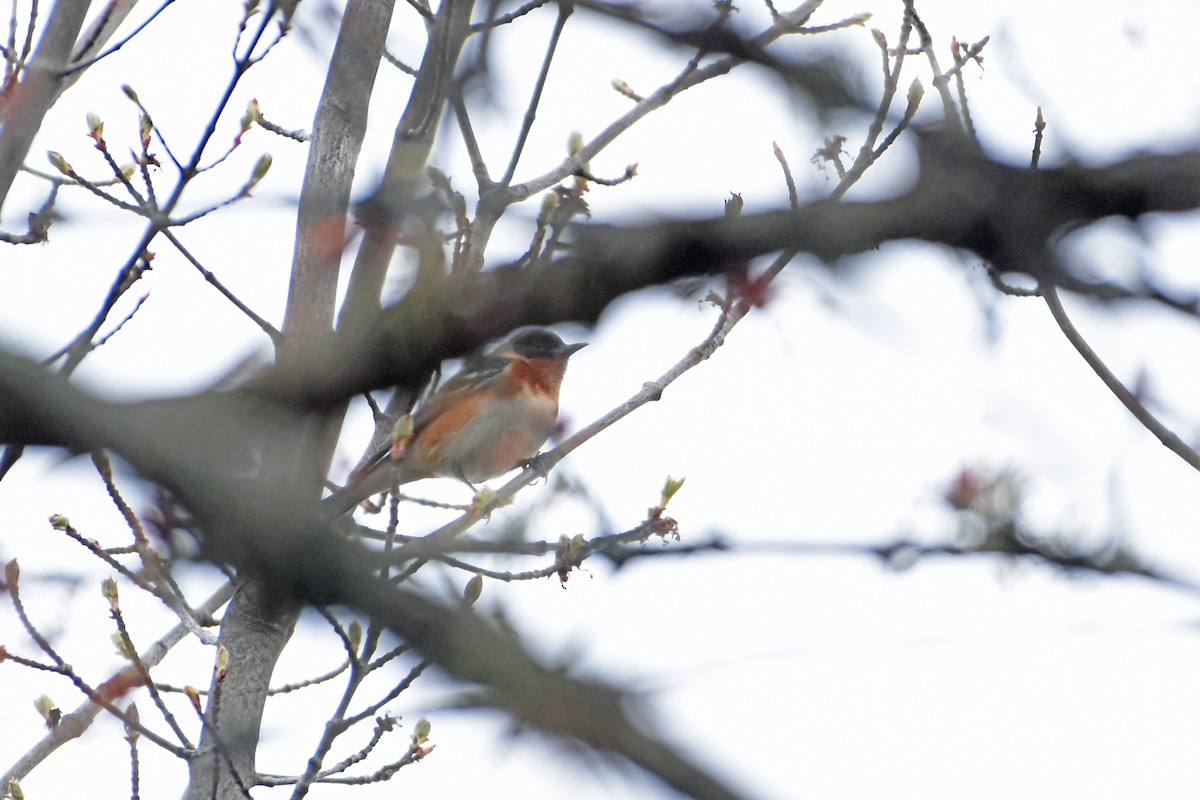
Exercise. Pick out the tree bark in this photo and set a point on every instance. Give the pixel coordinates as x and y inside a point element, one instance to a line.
<point>254,631</point>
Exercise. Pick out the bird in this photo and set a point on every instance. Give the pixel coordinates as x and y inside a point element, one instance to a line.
<point>489,418</point>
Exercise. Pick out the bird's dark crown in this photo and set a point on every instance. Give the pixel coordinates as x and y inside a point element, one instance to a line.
<point>541,343</point>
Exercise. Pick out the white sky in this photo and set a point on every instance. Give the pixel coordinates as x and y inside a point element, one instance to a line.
<point>835,414</point>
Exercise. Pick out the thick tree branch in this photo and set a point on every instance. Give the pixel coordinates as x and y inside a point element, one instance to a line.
<point>412,142</point>
<point>40,86</point>
<point>338,132</point>
<point>270,529</point>
<point>1009,216</point>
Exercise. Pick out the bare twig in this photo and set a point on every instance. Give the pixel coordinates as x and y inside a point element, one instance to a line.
<point>940,81</point>
<point>1039,130</point>
<point>101,30</point>
<point>1128,399</point>
<point>891,82</point>
<point>504,19</point>
<point>564,12</point>
<point>72,725</point>
<point>144,673</point>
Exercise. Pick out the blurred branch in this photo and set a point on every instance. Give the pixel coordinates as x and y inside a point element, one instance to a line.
<point>293,557</point>
<point>1009,216</point>
<point>989,508</point>
<point>381,214</point>
<point>1108,560</point>
<point>269,528</point>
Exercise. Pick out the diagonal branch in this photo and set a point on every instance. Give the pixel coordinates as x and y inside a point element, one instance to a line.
<point>1169,438</point>
<point>40,86</point>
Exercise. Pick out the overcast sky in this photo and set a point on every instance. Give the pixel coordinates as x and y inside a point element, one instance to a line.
<point>838,413</point>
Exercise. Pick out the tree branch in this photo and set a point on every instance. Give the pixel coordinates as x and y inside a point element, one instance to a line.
<point>39,88</point>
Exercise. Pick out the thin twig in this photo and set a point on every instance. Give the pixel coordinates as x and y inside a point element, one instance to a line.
<point>1128,399</point>
<point>504,19</point>
<point>82,65</point>
<point>891,82</point>
<point>940,82</point>
<point>1039,130</point>
<point>263,325</point>
<point>144,672</point>
<point>564,12</point>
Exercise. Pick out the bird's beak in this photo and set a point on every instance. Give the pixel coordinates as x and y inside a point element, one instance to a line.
<point>569,350</point>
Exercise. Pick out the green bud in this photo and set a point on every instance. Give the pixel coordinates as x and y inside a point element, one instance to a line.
<point>48,711</point>
<point>60,164</point>
<point>670,487</point>
<point>108,588</point>
<point>472,590</point>
<point>43,704</point>
<point>915,92</point>
<point>145,127</point>
<point>132,718</point>
<point>124,647</point>
<point>261,168</point>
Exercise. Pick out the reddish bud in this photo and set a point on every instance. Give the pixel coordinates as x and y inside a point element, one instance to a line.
<point>963,491</point>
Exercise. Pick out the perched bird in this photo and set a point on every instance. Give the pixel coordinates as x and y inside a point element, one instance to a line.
<point>486,420</point>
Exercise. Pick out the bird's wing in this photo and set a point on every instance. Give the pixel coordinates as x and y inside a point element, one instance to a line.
<point>481,371</point>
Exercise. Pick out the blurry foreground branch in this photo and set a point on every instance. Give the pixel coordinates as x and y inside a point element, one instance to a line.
<point>270,530</point>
